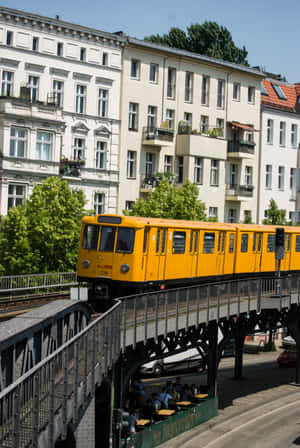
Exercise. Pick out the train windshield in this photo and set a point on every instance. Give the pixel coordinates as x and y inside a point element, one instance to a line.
<point>107,240</point>
<point>90,237</point>
<point>125,241</point>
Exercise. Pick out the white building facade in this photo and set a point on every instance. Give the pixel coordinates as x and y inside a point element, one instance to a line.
<point>59,108</point>
<point>194,117</point>
<point>280,139</point>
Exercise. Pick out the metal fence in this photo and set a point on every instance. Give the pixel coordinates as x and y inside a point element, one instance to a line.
<point>61,384</point>
<point>13,283</point>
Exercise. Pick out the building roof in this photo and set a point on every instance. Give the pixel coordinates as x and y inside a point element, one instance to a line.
<point>280,95</point>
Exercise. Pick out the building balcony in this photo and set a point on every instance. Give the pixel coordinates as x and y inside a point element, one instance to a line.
<point>202,145</point>
<point>238,192</point>
<point>157,136</point>
<point>148,183</point>
<point>70,167</point>
<point>241,149</point>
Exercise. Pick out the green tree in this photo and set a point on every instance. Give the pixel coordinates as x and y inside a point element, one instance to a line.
<point>169,202</point>
<point>208,39</point>
<point>43,234</point>
<point>275,215</point>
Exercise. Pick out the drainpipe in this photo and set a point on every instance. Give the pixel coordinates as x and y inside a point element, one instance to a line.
<point>298,183</point>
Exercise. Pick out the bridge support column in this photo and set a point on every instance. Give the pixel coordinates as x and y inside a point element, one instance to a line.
<point>212,358</point>
<point>238,361</point>
<point>293,323</point>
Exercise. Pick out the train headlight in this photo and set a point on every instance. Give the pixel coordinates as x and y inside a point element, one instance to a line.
<point>86,264</point>
<point>125,268</point>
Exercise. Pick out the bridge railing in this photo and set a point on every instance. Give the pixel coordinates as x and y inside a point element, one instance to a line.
<point>37,281</point>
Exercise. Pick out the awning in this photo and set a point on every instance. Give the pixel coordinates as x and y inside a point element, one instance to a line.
<point>236,124</point>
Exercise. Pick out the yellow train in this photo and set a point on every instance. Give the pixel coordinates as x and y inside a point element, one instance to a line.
<point>122,255</point>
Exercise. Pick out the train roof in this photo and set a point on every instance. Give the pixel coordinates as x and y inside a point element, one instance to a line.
<point>138,221</point>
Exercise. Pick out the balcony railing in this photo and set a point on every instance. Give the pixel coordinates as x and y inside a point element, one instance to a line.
<point>70,167</point>
<point>208,131</point>
<point>150,133</point>
<point>241,146</point>
<point>239,190</point>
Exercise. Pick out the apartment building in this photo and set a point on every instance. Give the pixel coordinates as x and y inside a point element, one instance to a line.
<point>193,117</point>
<point>59,108</point>
<point>280,115</point>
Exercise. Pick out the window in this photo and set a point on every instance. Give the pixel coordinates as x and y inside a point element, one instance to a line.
<point>287,242</point>
<point>133,117</point>
<point>150,158</point>
<point>179,166</point>
<point>171,83</point>
<point>236,91</point>
<point>205,91</point>
<point>135,69</point>
<point>208,242</point>
<point>170,118</point>
<point>232,175</point>
<point>188,117</point>
<point>196,238</point>
<point>232,215</point>
<point>198,173</point>
<point>125,241</point>
<point>107,240</point>
<point>16,195</point>
<point>220,127</point>
<point>251,94</point>
<point>188,91</point>
<point>7,83</point>
<point>153,73</point>
<point>163,242</point>
<point>101,151</point>
<point>9,37</point>
<point>99,203</point>
<point>103,103</point>
<point>33,84</point>
<point>179,242</point>
<point>221,242</point>
<point>270,131</point>
<point>282,133</point>
<point>168,164</point>
<point>129,205</point>
<point>268,183</point>
<point>248,175</point>
<point>220,94</point>
<point>58,91</point>
<point>204,124</point>
<point>247,216</point>
<point>293,180</point>
<point>80,99</point>
<point>104,58</point>
<point>294,132</point>
<point>281,177</point>
<point>157,240</point>
<point>78,149</point>
<point>151,119</point>
<point>83,54</point>
<point>35,44</point>
<point>43,145</point>
<point>18,141</point>
<point>213,212</point>
<point>297,243</point>
<point>214,172</point>
<point>146,237</point>
<point>90,237</point>
<point>231,243</point>
<point>59,49</point>
<point>263,90</point>
<point>271,243</point>
<point>244,242</point>
<point>279,92</point>
<point>131,164</point>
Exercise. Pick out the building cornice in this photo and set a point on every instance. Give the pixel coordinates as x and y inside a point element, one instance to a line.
<point>282,110</point>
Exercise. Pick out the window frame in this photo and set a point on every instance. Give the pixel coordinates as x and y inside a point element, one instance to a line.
<point>44,144</point>
<point>81,98</point>
<point>130,251</point>
<point>100,153</point>
<point>179,234</point>
<point>99,203</point>
<point>16,139</point>
<point>133,116</point>
<point>135,68</point>
<point>220,93</point>
<point>155,66</point>
<point>131,164</point>
<point>14,196</point>
<point>171,83</point>
<point>103,95</point>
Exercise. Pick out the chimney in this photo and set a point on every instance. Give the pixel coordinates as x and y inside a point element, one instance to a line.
<point>57,17</point>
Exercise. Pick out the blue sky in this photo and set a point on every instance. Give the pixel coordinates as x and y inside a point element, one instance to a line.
<point>269,29</point>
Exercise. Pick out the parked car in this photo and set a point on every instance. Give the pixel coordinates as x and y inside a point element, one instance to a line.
<point>287,358</point>
<point>288,341</point>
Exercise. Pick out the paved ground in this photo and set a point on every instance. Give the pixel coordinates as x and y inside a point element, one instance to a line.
<point>264,386</point>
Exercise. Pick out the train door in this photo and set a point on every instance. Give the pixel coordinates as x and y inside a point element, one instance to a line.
<point>106,251</point>
<point>256,249</point>
<point>160,252</point>
<point>285,263</point>
<point>177,258</point>
<point>207,260</point>
<point>221,252</point>
<point>145,252</point>
<point>229,253</point>
<point>194,245</point>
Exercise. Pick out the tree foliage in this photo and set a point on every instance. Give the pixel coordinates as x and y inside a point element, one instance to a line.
<point>43,234</point>
<point>275,215</point>
<point>169,202</point>
<point>208,39</point>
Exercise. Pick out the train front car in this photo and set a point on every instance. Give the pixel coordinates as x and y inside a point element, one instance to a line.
<point>108,252</point>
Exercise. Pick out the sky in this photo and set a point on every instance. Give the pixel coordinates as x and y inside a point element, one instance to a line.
<point>269,29</point>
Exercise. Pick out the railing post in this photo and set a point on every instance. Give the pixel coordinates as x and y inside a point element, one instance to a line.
<point>124,303</point>
<point>65,395</point>
<point>198,304</point>
<point>52,403</point>
<point>218,302</point>
<point>16,417</point>
<point>145,319</point>
<point>36,409</point>
<point>207,308</point>
<point>228,300</point>
<point>177,311</point>
<point>188,291</point>
<point>134,324</point>
<point>239,299</point>
<point>156,317</point>
<point>166,295</point>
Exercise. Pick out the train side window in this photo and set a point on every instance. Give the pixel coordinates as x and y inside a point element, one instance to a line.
<point>196,241</point>
<point>288,242</point>
<point>163,241</point>
<point>209,243</point>
<point>244,242</point>
<point>125,241</point>
<point>254,242</point>
<point>179,242</point>
<point>145,242</point>
<point>90,237</point>
<point>231,243</point>
<point>297,243</point>
<point>107,240</point>
<point>191,241</point>
<point>221,242</point>
<point>271,243</point>
<point>259,242</point>
<point>157,241</point>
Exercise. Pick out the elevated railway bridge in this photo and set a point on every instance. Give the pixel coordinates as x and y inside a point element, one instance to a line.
<point>45,401</point>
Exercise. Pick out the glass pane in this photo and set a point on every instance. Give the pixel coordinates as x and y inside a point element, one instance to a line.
<point>107,239</point>
<point>178,242</point>
<point>157,241</point>
<point>125,240</point>
<point>19,190</point>
<point>163,241</point>
<point>208,243</point>
<point>231,243</point>
<point>90,237</point>
<point>11,189</point>
<point>244,242</point>
<point>21,149</point>
<point>271,243</point>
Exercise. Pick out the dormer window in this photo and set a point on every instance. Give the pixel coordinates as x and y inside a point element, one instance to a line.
<point>263,90</point>
<point>279,92</point>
